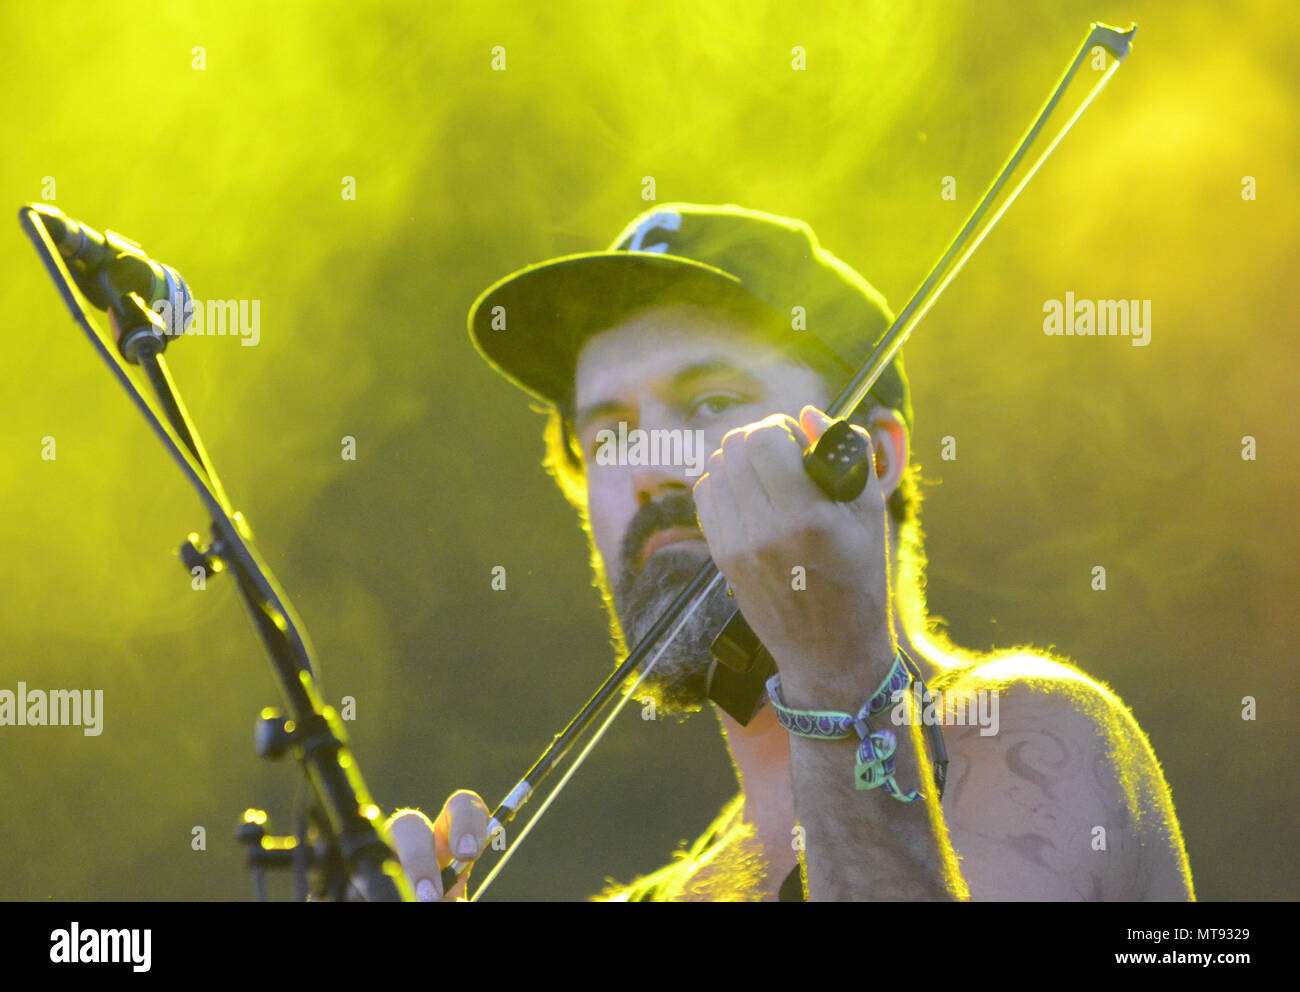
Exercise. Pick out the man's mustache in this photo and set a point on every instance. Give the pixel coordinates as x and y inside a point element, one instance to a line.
<point>677,510</point>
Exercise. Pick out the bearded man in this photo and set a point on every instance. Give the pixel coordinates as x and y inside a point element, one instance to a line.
<point>735,329</point>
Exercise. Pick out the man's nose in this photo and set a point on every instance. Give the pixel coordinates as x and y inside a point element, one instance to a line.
<point>654,482</point>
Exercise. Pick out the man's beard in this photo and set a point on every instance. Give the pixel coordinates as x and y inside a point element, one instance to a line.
<point>678,682</point>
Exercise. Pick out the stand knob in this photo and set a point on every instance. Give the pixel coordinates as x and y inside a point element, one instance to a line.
<point>252,828</point>
<point>194,555</point>
<point>273,734</point>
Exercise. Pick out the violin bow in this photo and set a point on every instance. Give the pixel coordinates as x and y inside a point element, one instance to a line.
<point>982,220</point>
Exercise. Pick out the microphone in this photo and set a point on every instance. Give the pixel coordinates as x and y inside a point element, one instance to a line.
<point>107,267</point>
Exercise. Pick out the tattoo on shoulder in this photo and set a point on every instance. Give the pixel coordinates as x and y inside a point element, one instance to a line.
<point>1033,799</point>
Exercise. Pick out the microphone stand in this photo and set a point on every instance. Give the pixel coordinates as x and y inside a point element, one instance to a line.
<point>341,838</point>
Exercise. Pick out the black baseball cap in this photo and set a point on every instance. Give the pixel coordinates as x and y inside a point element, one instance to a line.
<point>531,325</point>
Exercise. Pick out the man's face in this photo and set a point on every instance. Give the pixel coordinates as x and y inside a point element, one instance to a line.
<point>682,369</point>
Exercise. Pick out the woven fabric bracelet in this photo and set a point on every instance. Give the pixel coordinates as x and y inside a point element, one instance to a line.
<point>874,768</point>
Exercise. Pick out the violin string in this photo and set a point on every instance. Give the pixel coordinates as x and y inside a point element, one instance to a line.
<point>690,611</point>
<point>600,732</point>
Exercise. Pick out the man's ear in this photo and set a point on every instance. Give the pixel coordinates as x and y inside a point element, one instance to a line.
<point>889,443</point>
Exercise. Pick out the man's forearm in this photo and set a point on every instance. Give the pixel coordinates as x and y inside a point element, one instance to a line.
<point>864,844</point>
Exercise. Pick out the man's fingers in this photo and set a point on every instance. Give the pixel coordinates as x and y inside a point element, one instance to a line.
<point>813,422</point>
<point>425,847</point>
<point>461,829</point>
<point>413,837</point>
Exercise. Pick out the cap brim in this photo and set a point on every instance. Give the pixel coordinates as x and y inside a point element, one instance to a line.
<point>548,310</point>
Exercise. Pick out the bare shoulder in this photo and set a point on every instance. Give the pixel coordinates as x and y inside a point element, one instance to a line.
<point>1058,794</point>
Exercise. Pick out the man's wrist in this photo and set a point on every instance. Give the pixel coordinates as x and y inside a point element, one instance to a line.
<point>843,688</point>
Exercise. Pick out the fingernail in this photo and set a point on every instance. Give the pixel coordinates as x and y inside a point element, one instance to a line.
<point>467,846</point>
<point>425,891</point>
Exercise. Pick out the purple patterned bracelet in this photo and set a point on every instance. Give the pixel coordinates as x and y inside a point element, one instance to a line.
<point>876,754</point>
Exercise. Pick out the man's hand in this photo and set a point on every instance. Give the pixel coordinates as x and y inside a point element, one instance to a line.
<point>826,626</point>
<point>424,848</point>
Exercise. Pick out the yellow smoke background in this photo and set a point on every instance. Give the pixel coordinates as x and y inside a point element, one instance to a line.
<point>1071,452</point>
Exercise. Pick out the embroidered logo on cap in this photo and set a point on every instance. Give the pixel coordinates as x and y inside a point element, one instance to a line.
<point>669,220</point>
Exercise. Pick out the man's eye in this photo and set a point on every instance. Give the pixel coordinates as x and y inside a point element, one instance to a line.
<point>599,437</point>
<point>714,404</point>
